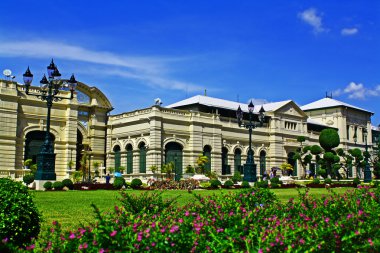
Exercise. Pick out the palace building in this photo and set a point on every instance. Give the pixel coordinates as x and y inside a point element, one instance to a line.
<point>178,133</point>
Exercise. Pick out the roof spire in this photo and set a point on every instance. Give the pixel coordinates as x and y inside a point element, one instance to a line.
<point>329,96</point>
<point>205,93</point>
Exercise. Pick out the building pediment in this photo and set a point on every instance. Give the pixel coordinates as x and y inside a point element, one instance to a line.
<point>291,109</point>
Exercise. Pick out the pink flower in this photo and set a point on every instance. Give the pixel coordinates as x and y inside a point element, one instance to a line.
<point>327,220</point>
<point>72,236</point>
<point>187,213</point>
<point>302,241</point>
<point>153,244</point>
<point>180,220</point>
<point>370,241</point>
<point>260,250</point>
<point>153,224</point>
<point>113,233</point>
<point>360,212</point>
<point>30,247</point>
<point>102,250</point>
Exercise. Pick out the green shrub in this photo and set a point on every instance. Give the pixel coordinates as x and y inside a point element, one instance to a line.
<point>328,181</point>
<point>274,185</point>
<point>262,184</point>
<point>316,181</point>
<point>48,185</point>
<point>19,217</point>
<point>28,179</point>
<point>205,185</point>
<point>228,184</point>
<point>58,185</point>
<point>322,172</point>
<point>118,183</point>
<point>68,183</point>
<point>237,177</point>
<point>215,183</point>
<point>136,183</point>
<point>275,180</point>
<point>356,181</point>
<point>146,202</point>
<point>245,184</point>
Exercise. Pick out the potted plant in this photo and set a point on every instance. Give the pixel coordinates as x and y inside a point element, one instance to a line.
<point>189,171</point>
<point>111,170</point>
<point>153,168</point>
<point>287,169</point>
<point>70,164</point>
<point>121,169</point>
<point>27,163</point>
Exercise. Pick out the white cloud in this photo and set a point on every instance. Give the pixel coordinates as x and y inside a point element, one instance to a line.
<point>311,17</point>
<point>349,31</point>
<point>358,91</point>
<point>149,70</point>
<point>257,101</point>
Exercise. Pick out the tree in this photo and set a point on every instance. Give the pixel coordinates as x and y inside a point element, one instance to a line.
<point>358,160</point>
<point>201,161</point>
<point>329,139</point>
<point>303,154</point>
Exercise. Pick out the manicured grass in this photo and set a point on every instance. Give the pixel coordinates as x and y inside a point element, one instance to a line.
<point>73,208</point>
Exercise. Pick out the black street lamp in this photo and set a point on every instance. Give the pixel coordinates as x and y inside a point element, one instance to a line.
<point>50,87</point>
<point>367,170</point>
<point>250,166</point>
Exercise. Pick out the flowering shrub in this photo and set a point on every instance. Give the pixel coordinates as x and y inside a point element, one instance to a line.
<point>251,220</point>
<point>171,184</point>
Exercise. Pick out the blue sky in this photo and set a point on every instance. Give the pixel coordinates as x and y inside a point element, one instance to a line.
<point>136,51</point>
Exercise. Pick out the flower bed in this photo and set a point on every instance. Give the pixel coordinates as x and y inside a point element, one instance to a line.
<point>252,220</point>
<point>89,186</point>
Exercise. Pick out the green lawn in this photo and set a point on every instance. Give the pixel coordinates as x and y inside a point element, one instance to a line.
<point>72,208</point>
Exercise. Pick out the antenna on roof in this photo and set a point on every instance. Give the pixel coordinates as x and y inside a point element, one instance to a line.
<point>205,93</point>
<point>327,96</point>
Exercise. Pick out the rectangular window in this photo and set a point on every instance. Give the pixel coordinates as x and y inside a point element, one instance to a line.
<point>348,132</point>
<point>290,125</point>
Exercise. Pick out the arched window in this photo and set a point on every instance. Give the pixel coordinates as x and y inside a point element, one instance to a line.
<point>33,143</point>
<point>173,153</point>
<point>129,159</point>
<point>226,169</point>
<point>142,148</point>
<point>207,152</point>
<point>237,161</point>
<point>262,162</point>
<point>116,150</point>
<point>292,162</point>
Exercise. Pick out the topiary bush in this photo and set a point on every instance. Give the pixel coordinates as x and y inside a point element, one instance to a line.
<point>236,177</point>
<point>328,181</point>
<point>356,181</point>
<point>136,183</point>
<point>215,183</point>
<point>329,139</point>
<point>262,184</point>
<point>68,183</point>
<point>58,185</point>
<point>275,180</point>
<point>228,184</point>
<point>19,217</point>
<point>48,185</point>
<point>316,181</point>
<point>118,183</point>
<point>245,184</point>
<point>28,179</point>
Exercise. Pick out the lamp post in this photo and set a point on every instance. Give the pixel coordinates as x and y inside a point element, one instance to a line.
<point>50,87</point>
<point>367,170</point>
<point>250,166</point>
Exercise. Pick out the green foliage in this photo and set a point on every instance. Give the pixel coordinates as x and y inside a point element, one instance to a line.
<point>211,175</point>
<point>146,203</point>
<point>328,156</point>
<point>68,183</point>
<point>228,183</point>
<point>33,169</point>
<point>262,184</point>
<point>316,181</point>
<point>77,176</point>
<point>111,170</point>
<point>96,164</point>
<point>275,180</point>
<point>355,152</point>
<point>118,183</point>
<point>28,162</point>
<point>57,185</point>
<point>340,152</point>
<point>329,139</point>
<point>48,185</point>
<point>306,149</point>
<point>154,168</point>
<point>121,169</point>
<point>322,172</point>
<point>189,169</point>
<point>328,181</point>
<point>201,162</point>
<point>237,177</point>
<point>215,183</point>
<point>136,183</point>
<point>356,181</point>
<point>301,138</point>
<point>336,159</point>
<point>28,179</point>
<point>19,217</point>
<point>316,150</point>
<point>245,184</point>
<point>205,185</point>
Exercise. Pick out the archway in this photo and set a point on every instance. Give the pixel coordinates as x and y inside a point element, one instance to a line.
<point>117,157</point>
<point>262,162</point>
<point>292,162</point>
<point>173,153</point>
<point>237,161</point>
<point>129,149</point>
<point>142,149</point>
<point>226,169</point>
<point>207,153</point>
<point>33,143</point>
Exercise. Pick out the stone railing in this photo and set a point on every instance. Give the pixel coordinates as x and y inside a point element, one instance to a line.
<point>14,174</point>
